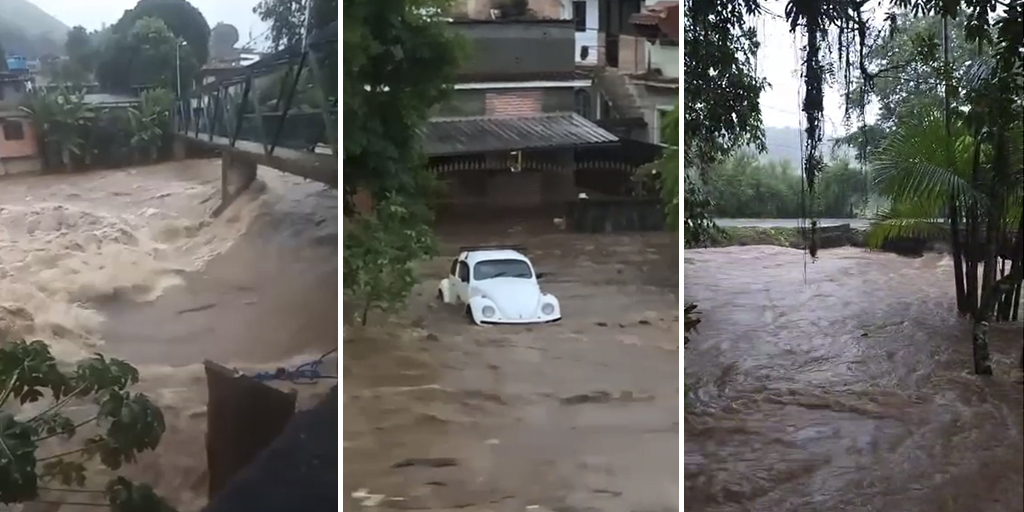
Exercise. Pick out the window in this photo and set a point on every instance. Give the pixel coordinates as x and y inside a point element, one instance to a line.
<point>579,15</point>
<point>502,268</point>
<point>463,272</point>
<point>662,113</point>
<point>13,130</point>
<point>455,267</point>
<point>582,103</point>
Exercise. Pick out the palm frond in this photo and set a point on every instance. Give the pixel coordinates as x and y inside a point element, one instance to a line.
<point>908,220</point>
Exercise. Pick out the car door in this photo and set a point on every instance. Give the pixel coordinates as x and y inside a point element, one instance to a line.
<point>462,282</point>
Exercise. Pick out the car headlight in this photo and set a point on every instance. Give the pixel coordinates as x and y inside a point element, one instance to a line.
<point>487,311</point>
<point>548,308</point>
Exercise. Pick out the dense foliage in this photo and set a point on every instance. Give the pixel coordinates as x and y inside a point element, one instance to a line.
<point>745,186</point>
<point>73,133</point>
<point>388,96</point>
<point>143,47</point>
<point>35,416</point>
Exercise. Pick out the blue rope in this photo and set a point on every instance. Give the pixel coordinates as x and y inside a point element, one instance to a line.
<point>305,373</point>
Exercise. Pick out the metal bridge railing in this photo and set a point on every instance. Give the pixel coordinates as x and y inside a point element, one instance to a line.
<point>287,99</point>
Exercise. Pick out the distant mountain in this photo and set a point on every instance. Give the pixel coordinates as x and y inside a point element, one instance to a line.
<point>785,144</point>
<point>30,31</point>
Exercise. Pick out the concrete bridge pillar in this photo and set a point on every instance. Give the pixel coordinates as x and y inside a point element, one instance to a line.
<point>236,175</point>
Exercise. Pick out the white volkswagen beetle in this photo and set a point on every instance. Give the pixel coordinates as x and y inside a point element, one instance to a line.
<point>498,285</point>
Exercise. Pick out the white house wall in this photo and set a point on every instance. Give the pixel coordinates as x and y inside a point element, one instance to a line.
<point>665,58</point>
<point>587,37</point>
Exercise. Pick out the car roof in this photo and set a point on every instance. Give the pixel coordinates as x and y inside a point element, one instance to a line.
<point>473,257</point>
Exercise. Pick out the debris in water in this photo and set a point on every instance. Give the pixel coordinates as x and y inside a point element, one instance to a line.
<point>429,462</point>
<point>197,309</point>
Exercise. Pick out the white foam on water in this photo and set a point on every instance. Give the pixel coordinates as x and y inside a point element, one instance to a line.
<point>68,243</point>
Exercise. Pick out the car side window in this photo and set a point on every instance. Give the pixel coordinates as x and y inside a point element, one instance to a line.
<point>455,267</point>
<point>463,272</point>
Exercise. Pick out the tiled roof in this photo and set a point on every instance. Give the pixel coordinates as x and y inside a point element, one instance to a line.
<point>664,15</point>
<point>460,135</point>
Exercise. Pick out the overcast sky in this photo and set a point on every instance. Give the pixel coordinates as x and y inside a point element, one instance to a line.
<point>93,14</point>
<point>778,60</point>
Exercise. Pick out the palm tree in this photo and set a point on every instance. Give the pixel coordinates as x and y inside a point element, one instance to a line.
<point>974,180</point>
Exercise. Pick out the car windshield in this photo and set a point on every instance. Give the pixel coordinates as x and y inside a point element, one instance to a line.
<point>501,268</point>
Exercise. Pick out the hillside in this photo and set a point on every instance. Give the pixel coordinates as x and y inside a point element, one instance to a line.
<point>784,144</point>
<point>28,30</point>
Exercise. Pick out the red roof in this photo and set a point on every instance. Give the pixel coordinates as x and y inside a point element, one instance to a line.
<point>664,15</point>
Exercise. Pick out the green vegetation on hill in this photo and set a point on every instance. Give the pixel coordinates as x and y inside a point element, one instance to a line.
<point>28,30</point>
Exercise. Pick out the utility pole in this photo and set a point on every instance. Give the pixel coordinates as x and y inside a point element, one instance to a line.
<point>305,25</point>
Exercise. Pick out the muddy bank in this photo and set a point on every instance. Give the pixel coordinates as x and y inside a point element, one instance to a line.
<point>829,237</point>
<point>579,415</point>
<point>844,385</point>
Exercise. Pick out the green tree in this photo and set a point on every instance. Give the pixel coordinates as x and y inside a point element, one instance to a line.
<point>388,97</point>
<point>155,57</point>
<point>287,19</point>
<point>81,54</point>
<point>121,425</point>
<point>61,117</point>
<point>181,18</point>
<point>150,123</point>
<point>720,81</point>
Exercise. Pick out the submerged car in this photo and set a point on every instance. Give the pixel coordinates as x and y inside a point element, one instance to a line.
<point>497,285</point>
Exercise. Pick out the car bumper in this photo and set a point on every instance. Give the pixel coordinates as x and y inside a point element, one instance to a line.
<point>521,321</point>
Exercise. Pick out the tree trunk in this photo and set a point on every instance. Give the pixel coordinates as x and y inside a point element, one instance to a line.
<point>979,343</point>
<point>366,312</point>
<point>974,245</point>
<point>956,244</point>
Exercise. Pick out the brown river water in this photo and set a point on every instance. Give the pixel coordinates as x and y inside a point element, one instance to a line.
<point>575,416</point>
<point>847,386</point>
<point>128,263</point>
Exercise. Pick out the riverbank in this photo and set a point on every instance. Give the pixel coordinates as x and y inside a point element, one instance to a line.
<point>791,237</point>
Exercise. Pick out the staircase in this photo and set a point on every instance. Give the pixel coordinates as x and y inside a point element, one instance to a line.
<point>621,94</point>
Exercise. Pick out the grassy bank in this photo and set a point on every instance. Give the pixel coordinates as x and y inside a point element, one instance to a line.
<point>784,237</point>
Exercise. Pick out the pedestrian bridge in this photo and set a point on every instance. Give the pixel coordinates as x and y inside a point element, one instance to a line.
<point>280,112</point>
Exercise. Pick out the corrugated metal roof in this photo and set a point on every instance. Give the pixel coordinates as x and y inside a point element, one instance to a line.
<point>459,135</point>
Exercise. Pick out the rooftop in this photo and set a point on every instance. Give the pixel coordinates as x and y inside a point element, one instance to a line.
<point>462,135</point>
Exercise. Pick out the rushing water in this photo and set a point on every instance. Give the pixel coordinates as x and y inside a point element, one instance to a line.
<point>128,263</point>
<point>581,415</point>
<point>845,386</point>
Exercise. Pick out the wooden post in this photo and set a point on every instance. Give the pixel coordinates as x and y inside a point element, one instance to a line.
<point>243,416</point>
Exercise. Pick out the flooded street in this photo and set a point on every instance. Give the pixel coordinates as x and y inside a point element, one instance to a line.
<point>574,416</point>
<point>129,264</point>
<point>850,391</point>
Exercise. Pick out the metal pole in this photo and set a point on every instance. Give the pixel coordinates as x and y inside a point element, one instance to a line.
<point>305,27</point>
<point>177,70</point>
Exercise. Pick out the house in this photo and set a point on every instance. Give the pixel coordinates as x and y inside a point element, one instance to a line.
<point>509,136</point>
<point>19,150</point>
<point>582,12</point>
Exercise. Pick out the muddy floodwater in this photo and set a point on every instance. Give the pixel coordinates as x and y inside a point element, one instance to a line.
<point>847,386</point>
<point>574,416</point>
<point>129,263</point>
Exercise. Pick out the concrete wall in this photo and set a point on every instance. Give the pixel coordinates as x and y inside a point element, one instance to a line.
<point>18,148</point>
<point>481,102</point>
<point>632,54</point>
<point>665,58</point>
<point>653,99</point>
<point>12,93</point>
<point>19,165</point>
<point>499,189</point>
<point>510,48</point>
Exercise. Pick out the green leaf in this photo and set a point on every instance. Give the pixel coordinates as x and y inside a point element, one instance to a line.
<point>18,479</point>
<point>68,473</point>
<point>125,496</point>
